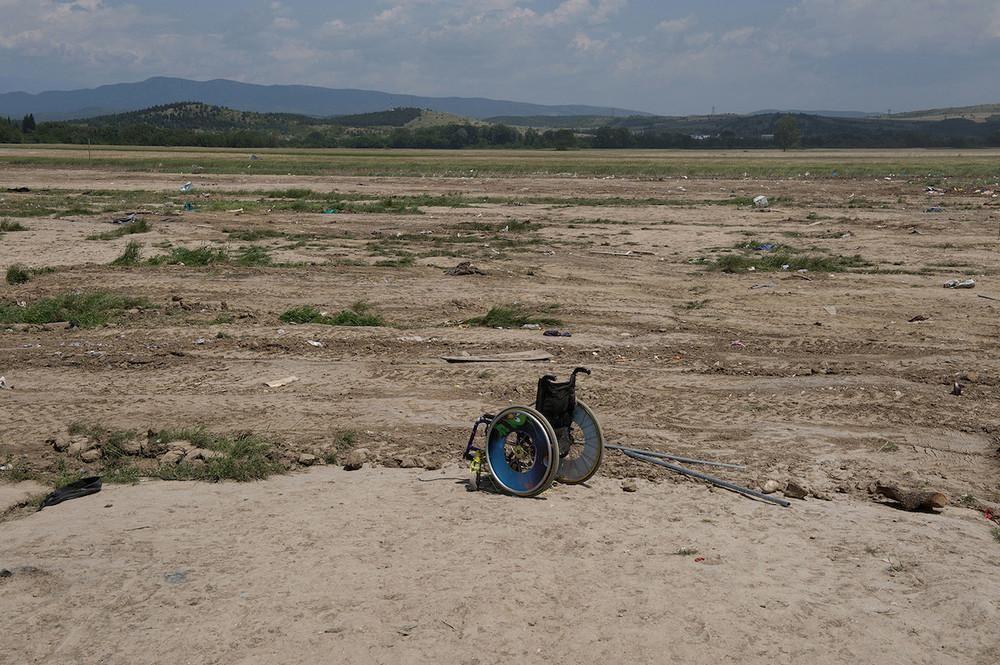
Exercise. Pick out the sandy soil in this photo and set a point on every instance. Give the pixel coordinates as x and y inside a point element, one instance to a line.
<point>832,386</point>
<point>394,566</point>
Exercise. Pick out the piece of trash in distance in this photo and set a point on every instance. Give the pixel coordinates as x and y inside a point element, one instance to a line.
<point>281,382</point>
<point>187,187</point>
<point>761,201</point>
<point>313,342</point>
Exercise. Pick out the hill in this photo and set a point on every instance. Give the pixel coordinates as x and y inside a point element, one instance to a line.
<point>978,113</point>
<point>296,99</point>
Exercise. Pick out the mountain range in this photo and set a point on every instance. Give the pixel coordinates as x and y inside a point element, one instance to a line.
<point>298,99</point>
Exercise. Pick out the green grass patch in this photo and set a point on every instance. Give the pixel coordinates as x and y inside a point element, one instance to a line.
<point>516,315</point>
<point>253,235</point>
<point>183,256</point>
<point>253,255</point>
<point>131,256</point>
<point>771,257</point>
<point>244,456</point>
<point>138,226</point>
<point>359,314</point>
<point>18,274</point>
<point>86,310</point>
<point>404,260</point>
<point>7,225</point>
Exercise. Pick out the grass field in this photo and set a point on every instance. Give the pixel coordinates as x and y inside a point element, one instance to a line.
<point>448,163</point>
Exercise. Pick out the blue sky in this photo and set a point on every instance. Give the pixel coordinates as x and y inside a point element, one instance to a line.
<point>659,56</point>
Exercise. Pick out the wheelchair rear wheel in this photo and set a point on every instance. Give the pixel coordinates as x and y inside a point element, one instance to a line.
<point>521,451</point>
<point>587,450</point>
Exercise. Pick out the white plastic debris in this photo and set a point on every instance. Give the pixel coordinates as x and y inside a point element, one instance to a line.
<point>760,201</point>
<point>3,383</point>
<point>963,284</point>
<point>187,187</point>
<point>312,342</point>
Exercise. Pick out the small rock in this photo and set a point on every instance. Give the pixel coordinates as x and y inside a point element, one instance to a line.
<point>971,377</point>
<point>354,460</point>
<point>795,491</point>
<point>770,487</point>
<point>630,485</point>
<point>91,455</point>
<point>5,573</point>
<point>59,444</point>
<point>822,496</point>
<point>432,465</point>
<point>172,457</point>
<point>305,459</point>
<point>409,462</point>
<point>133,447</point>
<point>79,445</point>
<point>182,445</point>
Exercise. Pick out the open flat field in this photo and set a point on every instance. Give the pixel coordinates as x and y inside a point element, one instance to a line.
<point>835,372</point>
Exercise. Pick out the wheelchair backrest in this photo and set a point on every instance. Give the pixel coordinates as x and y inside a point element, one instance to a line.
<point>557,401</point>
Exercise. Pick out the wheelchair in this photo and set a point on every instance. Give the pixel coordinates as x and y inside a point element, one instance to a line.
<point>527,448</point>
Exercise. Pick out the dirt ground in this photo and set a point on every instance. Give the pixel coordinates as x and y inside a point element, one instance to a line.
<point>833,380</point>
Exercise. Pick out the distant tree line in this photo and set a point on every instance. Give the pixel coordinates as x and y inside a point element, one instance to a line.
<point>458,136</point>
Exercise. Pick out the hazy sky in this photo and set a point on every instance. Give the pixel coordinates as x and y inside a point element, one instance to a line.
<point>656,55</point>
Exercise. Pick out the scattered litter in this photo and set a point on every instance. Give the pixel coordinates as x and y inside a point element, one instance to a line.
<point>127,219</point>
<point>830,309</point>
<point>964,284</point>
<point>188,206</point>
<point>956,389</point>
<point>557,333</point>
<point>3,383</point>
<point>531,326</point>
<point>760,201</point>
<point>919,317</point>
<point>737,344</point>
<point>179,577</point>
<point>237,211</point>
<point>412,338</point>
<point>330,211</point>
<point>980,295</point>
<point>517,356</point>
<point>464,268</point>
<point>20,190</point>
<point>254,158</point>
<point>187,187</point>
<point>934,209</point>
<point>200,341</point>
<point>769,285</point>
<point>313,342</point>
<point>281,382</point>
<point>74,490</point>
<point>766,247</point>
<point>934,191</point>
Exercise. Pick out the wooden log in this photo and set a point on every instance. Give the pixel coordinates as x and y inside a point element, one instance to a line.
<point>912,500</point>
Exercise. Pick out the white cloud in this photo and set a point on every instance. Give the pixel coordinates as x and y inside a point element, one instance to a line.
<point>676,25</point>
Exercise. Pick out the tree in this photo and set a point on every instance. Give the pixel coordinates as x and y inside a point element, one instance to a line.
<point>786,132</point>
<point>28,123</point>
